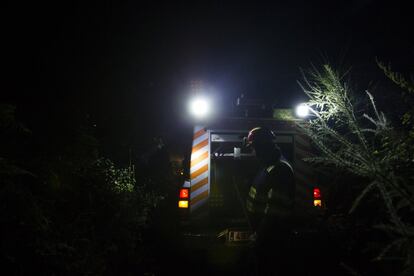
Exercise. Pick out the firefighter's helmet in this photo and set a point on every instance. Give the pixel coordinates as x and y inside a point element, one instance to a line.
<point>259,136</point>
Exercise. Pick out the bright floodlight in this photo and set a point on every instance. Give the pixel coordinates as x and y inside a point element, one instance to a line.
<point>302,110</point>
<point>199,107</point>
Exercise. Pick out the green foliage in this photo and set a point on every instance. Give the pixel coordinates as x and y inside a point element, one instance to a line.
<point>396,77</point>
<point>283,114</point>
<point>71,212</point>
<point>123,180</point>
<point>366,144</point>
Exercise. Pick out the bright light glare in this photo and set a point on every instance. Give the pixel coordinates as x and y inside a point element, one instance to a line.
<point>302,110</point>
<point>199,107</point>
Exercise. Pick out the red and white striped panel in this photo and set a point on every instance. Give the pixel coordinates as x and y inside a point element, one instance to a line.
<point>199,168</point>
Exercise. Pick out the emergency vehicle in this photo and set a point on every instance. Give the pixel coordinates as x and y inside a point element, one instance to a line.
<point>212,201</point>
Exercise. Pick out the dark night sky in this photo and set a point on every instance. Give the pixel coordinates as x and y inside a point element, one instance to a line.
<point>129,65</point>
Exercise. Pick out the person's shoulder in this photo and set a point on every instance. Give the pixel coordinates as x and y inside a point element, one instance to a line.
<point>281,166</point>
<point>285,164</point>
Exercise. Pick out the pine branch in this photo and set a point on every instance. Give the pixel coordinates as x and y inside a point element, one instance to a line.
<point>391,209</point>
<point>338,132</point>
<point>362,195</point>
<point>396,77</point>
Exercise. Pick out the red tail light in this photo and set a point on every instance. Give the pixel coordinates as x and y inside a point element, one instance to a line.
<point>316,193</point>
<point>317,201</point>
<point>184,193</point>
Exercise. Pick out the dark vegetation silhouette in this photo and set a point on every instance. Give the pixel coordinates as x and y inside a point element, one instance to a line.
<point>67,210</point>
<point>371,153</point>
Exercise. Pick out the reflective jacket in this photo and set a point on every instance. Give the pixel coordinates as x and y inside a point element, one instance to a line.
<point>271,196</point>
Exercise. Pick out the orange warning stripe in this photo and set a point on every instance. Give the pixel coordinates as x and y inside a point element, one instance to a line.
<point>203,154</point>
<point>201,196</point>
<point>199,159</point>
<point>199,133</point>
<point>200,145</point>
<point>199,184</point>
<point>201,170</point>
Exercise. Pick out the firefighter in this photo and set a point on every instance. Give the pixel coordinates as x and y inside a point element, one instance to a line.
<point>270,202</point>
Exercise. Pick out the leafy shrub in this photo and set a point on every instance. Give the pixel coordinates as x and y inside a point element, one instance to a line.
<point>73,213</point>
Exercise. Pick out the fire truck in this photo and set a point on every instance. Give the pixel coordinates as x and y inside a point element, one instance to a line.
<point>220,171</point>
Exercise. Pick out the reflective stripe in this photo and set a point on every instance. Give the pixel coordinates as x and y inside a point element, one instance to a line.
<point>256,202</point>
<point>202,163</point>
<point>200,146</point>
<point>202,157</point>
<point>199,184</point>
<point>270,168</point>
<point>269,194</point>
<point>199,171</point>
<point>200,139</point>
<point>255,196</point>
<point>252,192</point>
<point>199,168</point>
<point>199,152</point>
<point>199,133</point>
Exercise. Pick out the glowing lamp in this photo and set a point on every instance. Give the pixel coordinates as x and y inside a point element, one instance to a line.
<point>316,193</point>
<point>302,111</point>
<point>183,204</point>
<point>199,107</point>
<point>183,193</point>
